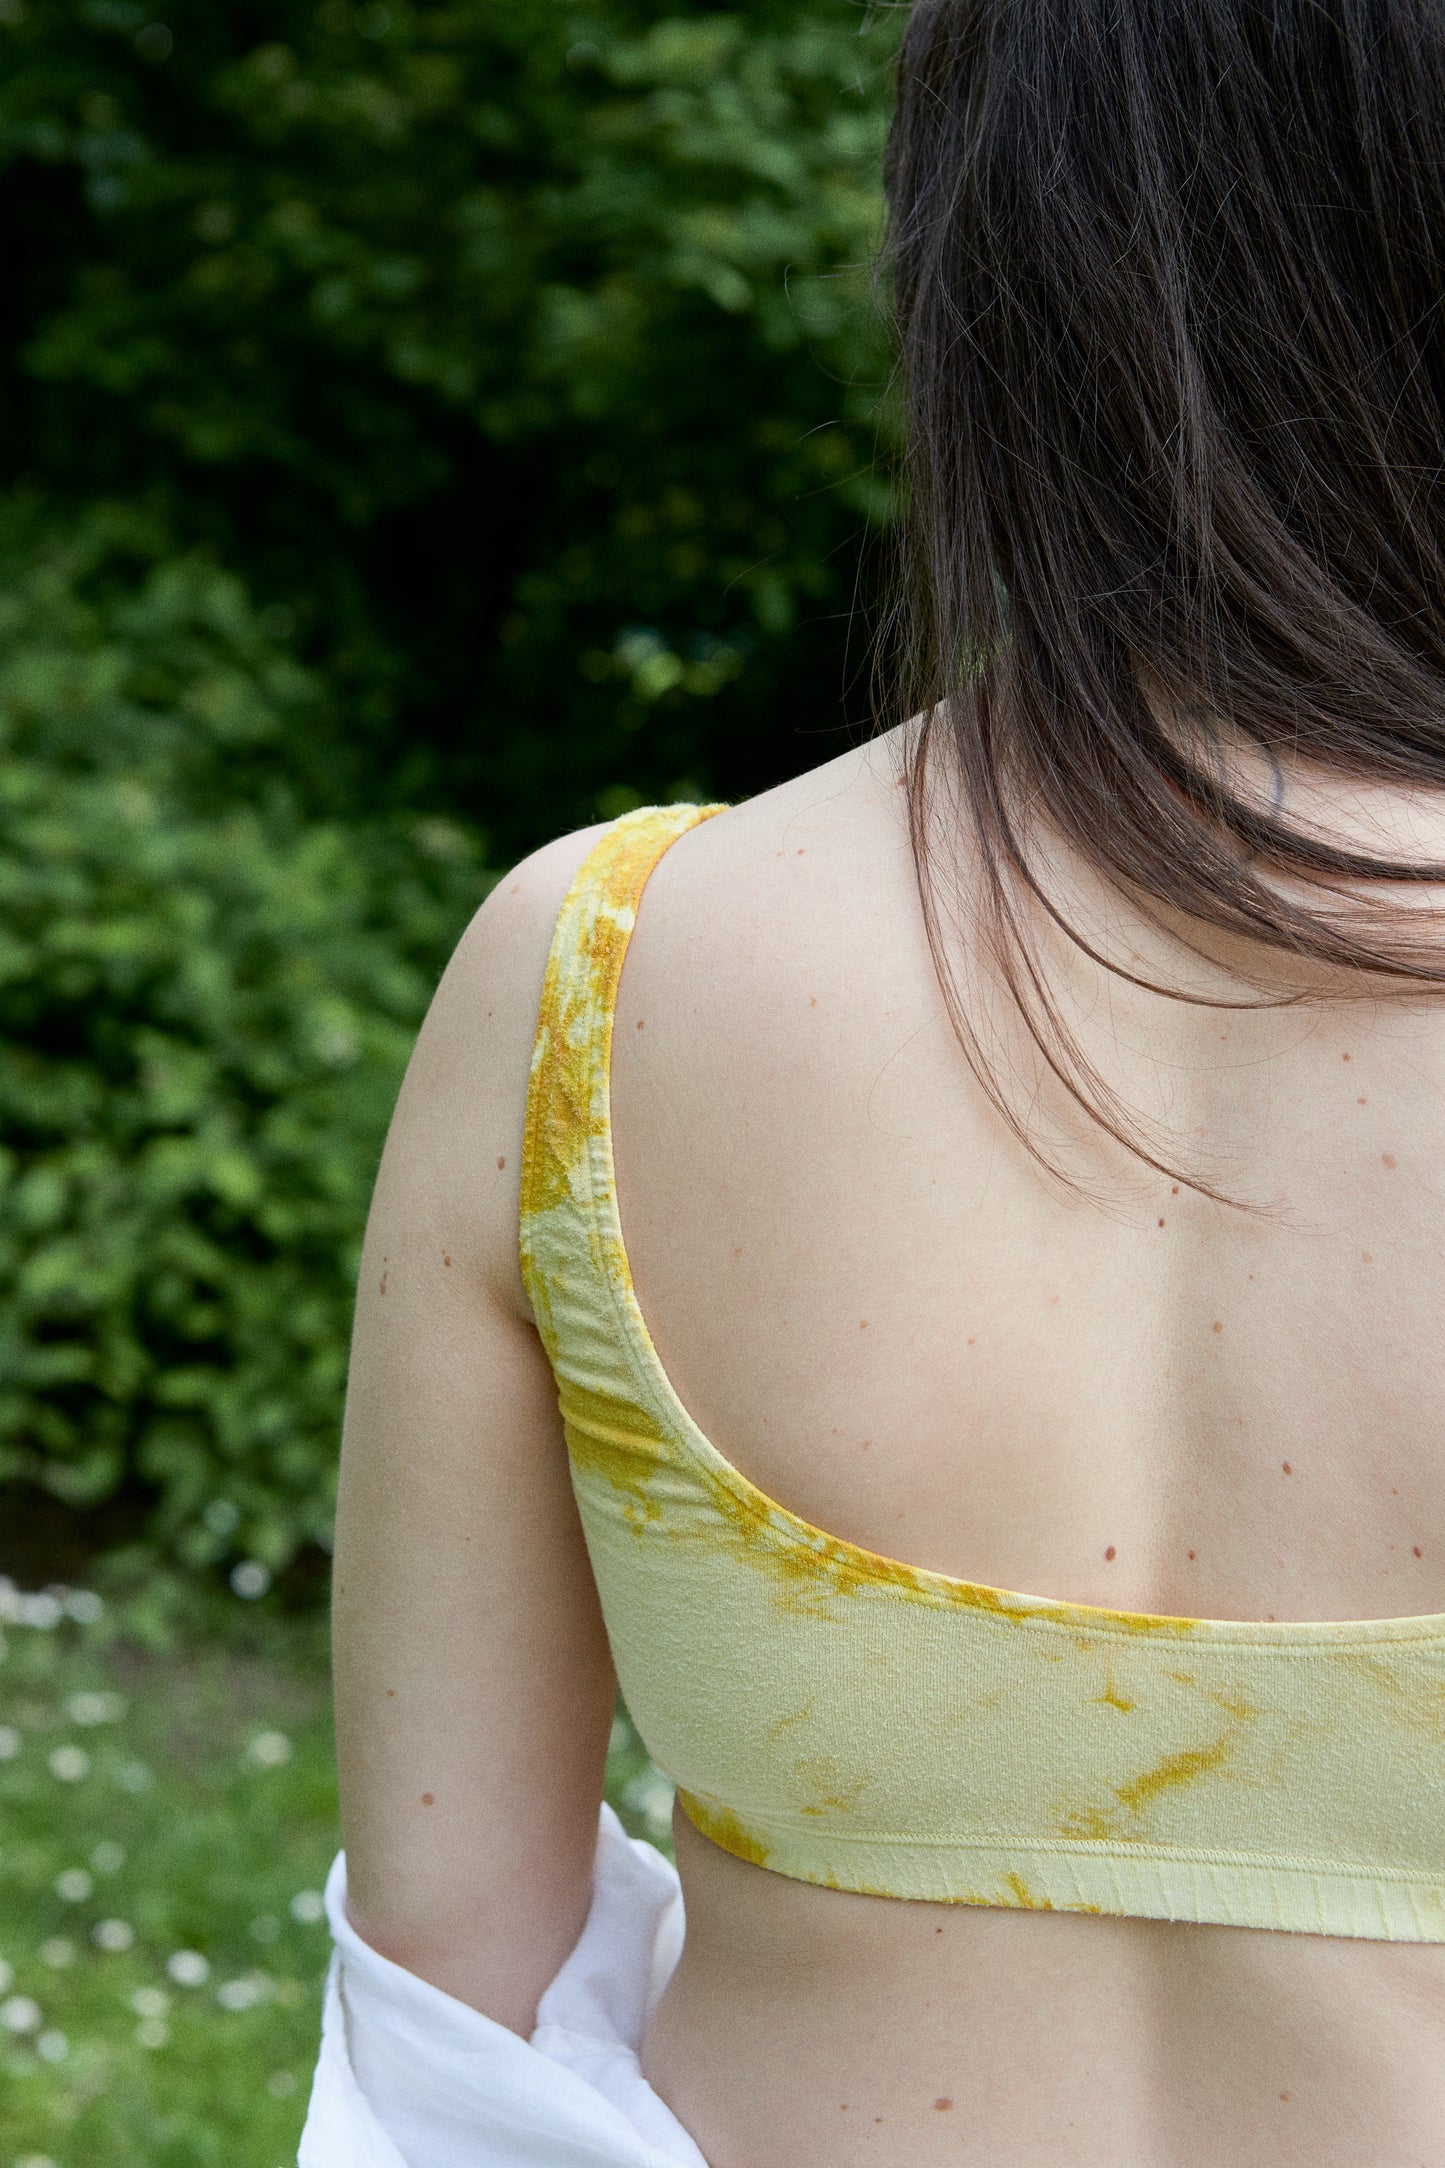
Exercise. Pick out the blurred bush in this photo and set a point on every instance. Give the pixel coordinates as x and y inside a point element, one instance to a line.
<point>523,352</point>
<point>414,414</point>
<point>206,1005</point>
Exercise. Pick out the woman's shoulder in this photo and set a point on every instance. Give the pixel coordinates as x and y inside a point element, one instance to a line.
<point>727,895</point>
<point>464,1095</point>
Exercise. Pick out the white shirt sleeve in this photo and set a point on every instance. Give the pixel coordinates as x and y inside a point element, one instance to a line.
<point>408,2077</point>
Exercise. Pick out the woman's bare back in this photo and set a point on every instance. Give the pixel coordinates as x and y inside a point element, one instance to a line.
<point>872,1301</point>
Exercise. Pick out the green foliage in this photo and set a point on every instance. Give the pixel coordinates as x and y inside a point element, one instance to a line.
<point>413,413</point>
<point>168,1826</point>
<point>204,1019</point>
<point>524,352</point>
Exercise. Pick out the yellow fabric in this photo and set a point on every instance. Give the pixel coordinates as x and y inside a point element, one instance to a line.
<point>847,1720</point>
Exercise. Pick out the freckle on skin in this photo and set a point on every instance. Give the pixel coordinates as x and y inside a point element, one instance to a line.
<point>1161,1223</point>
<point>428,1799</point>
<point>801,852</point>
<point>445,1259</point>
<point>391,1693</point>
<point>1418,1552</point>
<point>1217,1326</point>
<point>812,1001</point>
<point>943,2101</point>
<point>639,1023</point>
<point>501,1159</point>
<point>1286,1467</point>
<point>1174,1192</point>
<point>1367,1257</point>
<point>514,888</point>
<point>1110,1553</point>
<point>862,1324</point>
<point>1388,1158</point>
<point>1191,1554</point>
<point>1360,1102</point>
<point>381,1290</point>
<point>1285,2096</point>
<point>1344,1057</point>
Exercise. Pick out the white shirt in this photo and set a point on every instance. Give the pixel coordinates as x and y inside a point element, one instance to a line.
<point>410,2078</point>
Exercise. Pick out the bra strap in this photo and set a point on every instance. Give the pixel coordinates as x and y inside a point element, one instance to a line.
<point>569,1082</point>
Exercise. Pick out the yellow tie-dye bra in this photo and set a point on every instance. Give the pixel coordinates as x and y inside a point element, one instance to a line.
<point>847,1720</point>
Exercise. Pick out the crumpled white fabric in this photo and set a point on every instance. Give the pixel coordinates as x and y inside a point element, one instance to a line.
<point>410,2078</point>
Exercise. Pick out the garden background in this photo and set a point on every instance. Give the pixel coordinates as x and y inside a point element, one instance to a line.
<point>425,428</point>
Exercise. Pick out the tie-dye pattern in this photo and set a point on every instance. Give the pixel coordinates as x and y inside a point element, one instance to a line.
<point>848,1720</point>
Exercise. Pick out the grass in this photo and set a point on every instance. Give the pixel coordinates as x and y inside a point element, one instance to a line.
<point>166,1823</point>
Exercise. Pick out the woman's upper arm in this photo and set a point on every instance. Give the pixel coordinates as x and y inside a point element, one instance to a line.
<point>474,1689</point>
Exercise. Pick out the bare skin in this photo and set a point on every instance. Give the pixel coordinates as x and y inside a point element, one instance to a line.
<point>894,1324</point>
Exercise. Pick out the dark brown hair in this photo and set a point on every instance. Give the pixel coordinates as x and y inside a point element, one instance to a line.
<point>1167,279</point>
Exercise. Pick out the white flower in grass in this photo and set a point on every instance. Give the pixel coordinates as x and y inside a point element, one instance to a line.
<point>282,2084</point>
<point>134,1776</point>
<point>52,2046</point>
<point>265,1929</point>
<point>84,1606</point>
<point>19,2014</point>
<point>10,1742</point>
<point>35,2160</point>
<point>308,1906</point>
<point>108,1858</point>
<point>244,1994</point>
<point>150,2002</point>
<point>270,1748</point>
<point>58,1951</point>
<point>95,1708</point>
<point>113,1935</point>
<point>69,1764</point>
<point>250,1579</point>
<point>44,1611</point>
<point>153,2032</point>
<point>650,1795</point>
<point>74,1885</point>
<point>188,1968</point>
